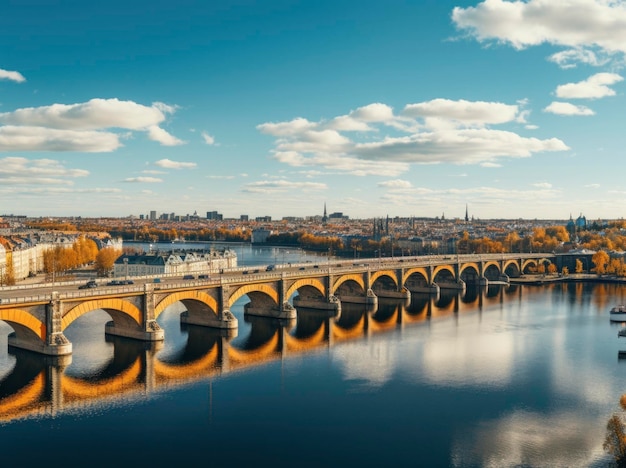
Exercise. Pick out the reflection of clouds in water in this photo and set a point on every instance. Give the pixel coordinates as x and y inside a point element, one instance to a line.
<point>598,385</point>
<point>7,362</point>
<point>369,364</point>
<point>531,439</point>
<point>90,351</point>
<point>469,359</point>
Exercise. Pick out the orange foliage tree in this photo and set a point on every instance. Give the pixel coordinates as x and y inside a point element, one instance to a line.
<point>105,260</point>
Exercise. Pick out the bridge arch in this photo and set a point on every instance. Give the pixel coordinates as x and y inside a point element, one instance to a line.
<point>465,266</point>
<point>24,324</point>
<point>511,268</point>
<point>312,282</point>
<point>529,263</point>
<point>185,297</point>
<point>358,279</point>
<point>442,269</point>
<point>386,273</point>
<point>119,310</point>
<point>251,289</point>
<point>411,271</point>
<point>491,270</point>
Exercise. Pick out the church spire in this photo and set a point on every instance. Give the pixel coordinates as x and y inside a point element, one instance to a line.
<point>324,218</point>
<point>466,214</point>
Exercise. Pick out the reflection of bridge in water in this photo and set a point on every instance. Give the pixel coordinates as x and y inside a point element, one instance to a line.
<point>39,320</point>
<point>41,386</point>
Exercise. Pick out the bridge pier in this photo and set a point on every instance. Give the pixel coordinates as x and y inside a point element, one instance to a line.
<point>286,311</point>
<point>370,299</point>
<point>126,327</point>
<point>333,303</point>
<point>404,293</point>
<point>150,332</point>
<point>225,320</point>
<point>55,344</point>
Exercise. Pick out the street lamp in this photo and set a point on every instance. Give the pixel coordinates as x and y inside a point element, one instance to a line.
<point>126,266</point>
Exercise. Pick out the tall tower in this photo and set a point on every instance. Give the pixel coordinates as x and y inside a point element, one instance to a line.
<point>466,214</point>
<point>324,218</point>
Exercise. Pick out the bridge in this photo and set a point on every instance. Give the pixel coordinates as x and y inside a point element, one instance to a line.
<point>39,314</point>
<point>42,386</point>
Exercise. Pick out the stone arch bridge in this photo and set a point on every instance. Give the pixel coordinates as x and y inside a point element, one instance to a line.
<point>39,317</point>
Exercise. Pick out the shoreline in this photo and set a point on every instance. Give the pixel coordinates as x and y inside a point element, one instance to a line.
<point>572,278</point>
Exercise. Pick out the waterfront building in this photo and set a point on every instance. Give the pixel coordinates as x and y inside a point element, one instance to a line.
<point>259,236</point>
<point>174,263</point>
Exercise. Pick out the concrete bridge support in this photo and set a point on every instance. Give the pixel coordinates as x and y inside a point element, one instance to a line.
<point>370,298</point>
<point>54,344</point>
<point>320,303</point>
<point>148,330</point>
<point>285,311</point>
<point>223,320</point>
<point>404,293</point>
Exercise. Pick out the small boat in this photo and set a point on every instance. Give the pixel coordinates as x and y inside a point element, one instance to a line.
<point>618,313</point>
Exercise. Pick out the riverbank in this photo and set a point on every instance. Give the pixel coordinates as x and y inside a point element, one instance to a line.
<point>571,278</point>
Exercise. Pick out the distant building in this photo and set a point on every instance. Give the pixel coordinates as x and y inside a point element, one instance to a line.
<point>153,215</point>
<point>243,218</point>
<point>259,236</point>
<point>213,215</point>
<point>174,263</point>
<point>263,219</point>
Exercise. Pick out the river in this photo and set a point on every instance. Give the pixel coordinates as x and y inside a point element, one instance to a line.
<point>503,376</point>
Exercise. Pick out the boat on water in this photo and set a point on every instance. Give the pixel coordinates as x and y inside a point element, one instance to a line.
<point>618,313</point>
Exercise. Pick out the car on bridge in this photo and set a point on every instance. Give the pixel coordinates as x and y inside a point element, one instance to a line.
<point>88,285</point>
<point>189,277</point>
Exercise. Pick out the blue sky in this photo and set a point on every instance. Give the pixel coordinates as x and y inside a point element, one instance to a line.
<point>399,108</point>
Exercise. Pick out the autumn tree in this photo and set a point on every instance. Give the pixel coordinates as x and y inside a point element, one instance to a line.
<point>579,266</point>
<point>105,259</point>
<point>600,259</point>
<point>551,268</point>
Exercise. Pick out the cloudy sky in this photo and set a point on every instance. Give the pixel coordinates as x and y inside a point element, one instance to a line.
<point>515,108</point>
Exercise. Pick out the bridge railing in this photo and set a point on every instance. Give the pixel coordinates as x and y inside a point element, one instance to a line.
<point>257,274</point>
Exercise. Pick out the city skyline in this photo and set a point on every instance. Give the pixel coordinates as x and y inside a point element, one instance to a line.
<point>372,108</point>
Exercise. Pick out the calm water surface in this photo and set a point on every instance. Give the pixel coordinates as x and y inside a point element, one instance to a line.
<point>508,376</point>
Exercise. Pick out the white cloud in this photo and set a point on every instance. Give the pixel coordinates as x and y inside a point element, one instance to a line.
<point>169,164</point>
<point>220,177</point>
<point>90,115</point>
<point>565,108</point>
<point>465,146</point>
<point>376,112</point>
<point>579,25</point>
<point>149,180</point>
<point>592,185</point>
<point>274,186</point>
<point>350,165</point>
<point>431,132</point>
<point>26,138</point>
<point>543,185</point>
<point>285,129</point>
<point>572,57</point>
<point>11,75</point>
<point>208,139</point>
<point>490,164</point>
<point>78,127</point>
<point>594,87</point>
<point>156,133</point>
<point>22,171</point>
<point>395,184</point>
<point>474,113</point>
